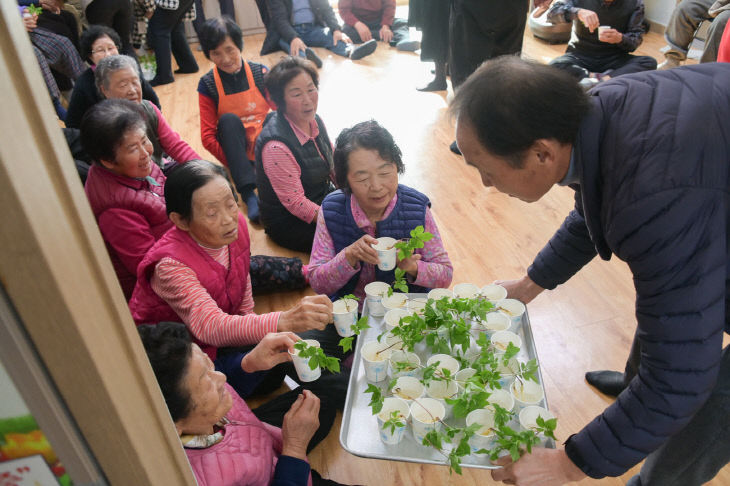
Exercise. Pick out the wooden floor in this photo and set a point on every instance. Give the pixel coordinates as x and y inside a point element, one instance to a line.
<point>586,324</point>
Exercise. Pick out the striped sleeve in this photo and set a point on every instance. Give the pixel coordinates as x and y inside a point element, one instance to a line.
<point>178,285</point>
<point>285,176</point>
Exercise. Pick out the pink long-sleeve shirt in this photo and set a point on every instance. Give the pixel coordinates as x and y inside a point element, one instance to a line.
<point>178,285</point>
<point>285,175</point>
<point>330,271</point>
<point>170,140</point>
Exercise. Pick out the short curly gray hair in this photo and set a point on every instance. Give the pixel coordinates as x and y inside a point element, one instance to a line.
<point>112,64</point>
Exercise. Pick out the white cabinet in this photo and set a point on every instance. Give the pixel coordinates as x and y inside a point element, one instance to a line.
<point>247,14</point>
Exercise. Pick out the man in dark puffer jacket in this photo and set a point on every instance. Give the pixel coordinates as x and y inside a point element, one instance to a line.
<point>648,156</point>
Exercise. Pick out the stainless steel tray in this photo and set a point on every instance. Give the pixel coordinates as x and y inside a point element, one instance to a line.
<point>359,433</point>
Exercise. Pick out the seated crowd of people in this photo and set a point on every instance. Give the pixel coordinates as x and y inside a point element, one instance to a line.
<point>172,224</point>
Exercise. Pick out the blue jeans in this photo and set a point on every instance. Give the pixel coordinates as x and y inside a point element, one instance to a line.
<point>315,36</point>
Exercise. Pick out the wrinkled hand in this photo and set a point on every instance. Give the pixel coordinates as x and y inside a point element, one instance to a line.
<point>362,251</point>
<point>410,265</point>
<point>54,6</point>
<point>363,31</point>
<point>30,21</point>
<point>589,19</point>
<point>269,352</point>
<point>297,45</point>
<point>544,467</point>
<point>148,14</point>
<point>312,312</point>
<point>386,35</point>
<point>523,289</point>
<point>611,36</point>
<point>300,424</point>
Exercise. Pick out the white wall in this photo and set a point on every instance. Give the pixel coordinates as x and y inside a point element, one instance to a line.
<point>659,11</point>
<point>11,405</point>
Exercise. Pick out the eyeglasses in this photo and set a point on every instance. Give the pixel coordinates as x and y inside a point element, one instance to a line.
<point>106,50</point>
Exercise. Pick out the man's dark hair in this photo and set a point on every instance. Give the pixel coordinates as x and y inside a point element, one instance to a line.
<point>169,350</point>
<point>282,73</point>
<point>368,135</point>
<point>91,35</point>
<point>214,32</point>
<point>184,180</point>
<point>105,124</point>
<point>510,103</point>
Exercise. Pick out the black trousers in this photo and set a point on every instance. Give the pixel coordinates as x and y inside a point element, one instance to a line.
<point>291,232</point>
<point>116,14</point>
<point>580,64</point>
<point>166,35</point>
<point>232,137</point>
<point>483,29</point>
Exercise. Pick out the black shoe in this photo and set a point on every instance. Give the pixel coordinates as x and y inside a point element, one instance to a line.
<point>187,71</point>
<point>435,85</point>
<point>606,381</point>
<point>454,148</point>
<point>363,50</point>
<point>312,56</point>
<point>159,82</point>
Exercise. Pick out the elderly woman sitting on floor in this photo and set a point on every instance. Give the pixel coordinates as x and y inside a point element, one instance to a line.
<point>225,441</point>
<point>126,193</point>
<point>198,274</point>
<point>370,203</point>
<point>118,77</point>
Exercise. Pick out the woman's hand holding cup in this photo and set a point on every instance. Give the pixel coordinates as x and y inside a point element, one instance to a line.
<point>312,312</point>
<point>362,251</point>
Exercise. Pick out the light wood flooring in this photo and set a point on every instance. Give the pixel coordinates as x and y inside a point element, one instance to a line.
<point>586,324</point>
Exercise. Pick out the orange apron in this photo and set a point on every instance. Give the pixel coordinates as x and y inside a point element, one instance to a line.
<point>250,106</point>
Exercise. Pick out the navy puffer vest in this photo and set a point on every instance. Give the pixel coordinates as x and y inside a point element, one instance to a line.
<point>315,170</point>
<point>409,212</point>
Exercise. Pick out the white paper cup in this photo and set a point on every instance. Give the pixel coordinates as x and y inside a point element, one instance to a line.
<point>445,362</point>
<point>441,390</point>
<point>306,374</point>
<point>393,316</point>
<point>494,292</point>
<point>425,416</point>
<point>512,308</point>
<point>438,294</point>
<point>503,398</point>
<point>393,404</point>
<point>408,388</point>
<point>483,437</point>
<point>375,360</point>
<point>497,321</point>
<point>507,372</point>
<point>462,376</point>
<point>602,30</point>
<point>395,342</point>
<point>386,253</point>
<point>528,420</point>
<point>526,393</point>
<point>465,291</point>
<point>345,315</point>
<point>375,292</point>
<point>400,356</point>
<point>501,339</point>
<point>417,305</point>
<point>396,301</point>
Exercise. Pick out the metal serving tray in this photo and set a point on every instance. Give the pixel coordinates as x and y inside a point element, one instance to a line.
<point>359,433</point>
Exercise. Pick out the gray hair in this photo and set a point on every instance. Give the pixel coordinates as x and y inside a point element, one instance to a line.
<point>112,64</point>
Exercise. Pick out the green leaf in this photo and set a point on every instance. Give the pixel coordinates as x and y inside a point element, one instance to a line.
<point>346,343</point>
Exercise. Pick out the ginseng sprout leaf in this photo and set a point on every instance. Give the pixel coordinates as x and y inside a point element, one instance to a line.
<point>346,344</point>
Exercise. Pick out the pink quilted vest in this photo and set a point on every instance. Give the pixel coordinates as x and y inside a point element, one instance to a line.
<point>247,455</point>
<point>107,190</point>
<point>226,287</point>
